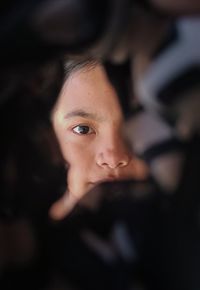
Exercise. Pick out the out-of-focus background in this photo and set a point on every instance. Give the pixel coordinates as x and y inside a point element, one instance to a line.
<point>127,235</point>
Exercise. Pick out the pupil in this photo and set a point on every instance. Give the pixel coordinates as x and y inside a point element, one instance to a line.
<point>83,129</point>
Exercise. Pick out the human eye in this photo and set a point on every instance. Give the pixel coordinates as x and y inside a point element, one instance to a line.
<point>82,130</point>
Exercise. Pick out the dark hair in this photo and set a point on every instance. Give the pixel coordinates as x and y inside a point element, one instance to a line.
<point>119,76</point>
<point>78,63</point>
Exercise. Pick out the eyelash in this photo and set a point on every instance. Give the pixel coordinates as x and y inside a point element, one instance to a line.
<point>91,130</point>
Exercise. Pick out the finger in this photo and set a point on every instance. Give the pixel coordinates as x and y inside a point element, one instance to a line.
<point>63,206</point>
<point>77,187</point>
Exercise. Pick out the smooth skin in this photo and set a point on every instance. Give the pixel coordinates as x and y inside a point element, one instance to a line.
<point>89,125</point>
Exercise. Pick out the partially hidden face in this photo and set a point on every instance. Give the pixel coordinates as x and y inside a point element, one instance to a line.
<point>89,125</point>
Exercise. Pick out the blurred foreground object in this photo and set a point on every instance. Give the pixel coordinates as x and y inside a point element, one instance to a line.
<point>39,30</point>
<point>167,85</point>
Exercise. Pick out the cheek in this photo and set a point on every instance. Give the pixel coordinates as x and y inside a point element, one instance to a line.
<point>76,150</point>
<point>77,154</point>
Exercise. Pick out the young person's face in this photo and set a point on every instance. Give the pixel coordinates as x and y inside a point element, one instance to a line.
<point>88,122</point>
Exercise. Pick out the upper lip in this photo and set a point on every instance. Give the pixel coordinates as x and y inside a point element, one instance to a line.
<point>108,178</point>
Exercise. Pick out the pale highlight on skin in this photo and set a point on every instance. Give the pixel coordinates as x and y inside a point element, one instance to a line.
<point>88,122</point>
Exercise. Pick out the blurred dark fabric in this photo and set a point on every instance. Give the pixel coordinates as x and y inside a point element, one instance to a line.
<point>163,234</point>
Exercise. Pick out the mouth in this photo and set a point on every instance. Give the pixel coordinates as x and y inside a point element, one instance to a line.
<point>109,178</point>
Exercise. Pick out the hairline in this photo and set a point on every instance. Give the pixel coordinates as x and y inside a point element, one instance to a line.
<point>72,66</point>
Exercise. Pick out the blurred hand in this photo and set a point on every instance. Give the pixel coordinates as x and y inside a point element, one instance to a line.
<point>76,189</point>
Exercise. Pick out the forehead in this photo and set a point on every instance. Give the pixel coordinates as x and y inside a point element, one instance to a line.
<point>88,87</point>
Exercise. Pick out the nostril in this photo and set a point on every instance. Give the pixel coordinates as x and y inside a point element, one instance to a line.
<point>122,163</point>
<point>104,164</point>
<point>115,164</point>
<point>112,159</point>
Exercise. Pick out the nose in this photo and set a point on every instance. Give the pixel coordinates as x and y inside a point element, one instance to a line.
<point>113,156</point>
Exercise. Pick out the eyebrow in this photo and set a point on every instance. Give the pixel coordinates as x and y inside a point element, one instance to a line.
<point>81,113</point>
